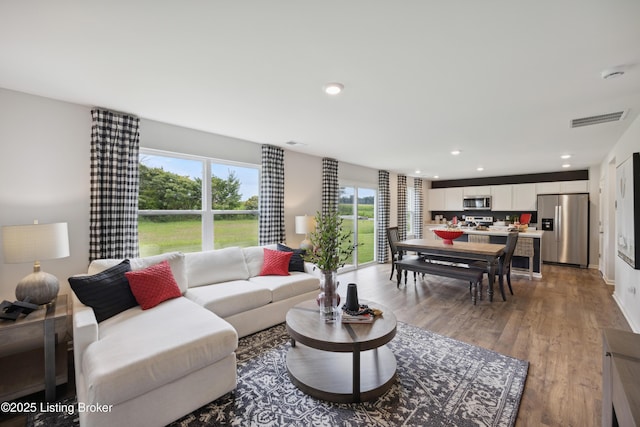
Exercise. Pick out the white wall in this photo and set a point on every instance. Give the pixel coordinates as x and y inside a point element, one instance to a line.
<point>162,136</point>
<point>594,214</point>
<point>627,280</point>
<point>302,191</point>
<point>44,175</point>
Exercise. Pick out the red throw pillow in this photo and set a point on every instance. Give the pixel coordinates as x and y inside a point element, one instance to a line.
<point>153,285</point>
<point>276,263</point>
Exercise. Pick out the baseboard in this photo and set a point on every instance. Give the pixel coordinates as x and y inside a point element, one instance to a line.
<point>525,273</point>
<point>635,328</point>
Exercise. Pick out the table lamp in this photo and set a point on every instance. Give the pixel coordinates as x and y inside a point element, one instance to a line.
<point>33,243</point>
<point>305,225</point>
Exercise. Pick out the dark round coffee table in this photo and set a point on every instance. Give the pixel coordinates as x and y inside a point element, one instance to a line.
<point>340,362</point>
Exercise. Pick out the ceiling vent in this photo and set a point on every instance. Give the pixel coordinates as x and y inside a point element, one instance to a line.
<point>596,120</point>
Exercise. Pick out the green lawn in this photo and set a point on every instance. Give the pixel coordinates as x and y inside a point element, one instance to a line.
<point>184,234</point>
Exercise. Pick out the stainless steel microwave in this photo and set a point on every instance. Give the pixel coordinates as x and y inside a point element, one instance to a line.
<point>476,203</point>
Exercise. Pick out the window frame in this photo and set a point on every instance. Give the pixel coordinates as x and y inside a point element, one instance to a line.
<point>207,214</point>
<point>411,210</point>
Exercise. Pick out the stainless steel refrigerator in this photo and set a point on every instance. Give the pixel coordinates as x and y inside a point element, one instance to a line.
<point>565,221</point>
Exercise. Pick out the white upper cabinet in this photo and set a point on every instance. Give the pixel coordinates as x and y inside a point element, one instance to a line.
<point>560,187</point>
<point>453,199</point>
<point>435,199</point>
<point>501,197</point>
<point>574,187</point>
<point>524,197</point>
<point>508,197</point>
<point>477,191</point>
<point>548,187</point>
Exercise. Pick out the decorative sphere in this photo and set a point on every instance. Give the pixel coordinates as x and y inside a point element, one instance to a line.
<point>40,287</point>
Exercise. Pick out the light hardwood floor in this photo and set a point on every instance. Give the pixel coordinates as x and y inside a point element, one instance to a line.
<point>554,323</point>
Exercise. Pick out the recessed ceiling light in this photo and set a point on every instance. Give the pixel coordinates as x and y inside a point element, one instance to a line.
<point>436,176</point>
<point>480,169</point>
<point>456,152</point>
<point>565,156</point>
<point>418,171</point>
<point>295,144</point>
<point>613,72</point>
<point>566,165</point>
<point>333,88</point>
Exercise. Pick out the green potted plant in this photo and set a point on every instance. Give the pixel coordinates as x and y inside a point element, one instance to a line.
<point>332,247</point>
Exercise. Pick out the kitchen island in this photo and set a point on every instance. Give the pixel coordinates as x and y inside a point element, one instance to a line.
<point>519,264</point>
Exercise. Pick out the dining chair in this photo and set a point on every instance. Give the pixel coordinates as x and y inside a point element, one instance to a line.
<point>393,236</point>
<point>504,264</point>
<point>504,268</point>
<point>524,248</point>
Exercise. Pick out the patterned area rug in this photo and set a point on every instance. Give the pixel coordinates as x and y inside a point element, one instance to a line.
<point>440,382</point>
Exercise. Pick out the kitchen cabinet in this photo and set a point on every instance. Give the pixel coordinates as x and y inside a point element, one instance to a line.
<point>548,188</point>
<point>445,199</point>
<point>435,199</point>
<point>453,198</point>
<point>561,187</point>
<point>501,197</point>
<point>524,197</point>
<point>574,187</point>
<point>477,191</point>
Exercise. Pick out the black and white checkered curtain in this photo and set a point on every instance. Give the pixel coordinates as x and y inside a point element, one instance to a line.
<point>271,223</point>
<point>402,206</point>
<point>418,208</point>
<point>113,225</point>
<point>330,186</point>
<point>384,208</point>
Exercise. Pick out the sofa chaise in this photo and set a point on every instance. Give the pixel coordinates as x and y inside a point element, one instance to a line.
<point>158,364</point>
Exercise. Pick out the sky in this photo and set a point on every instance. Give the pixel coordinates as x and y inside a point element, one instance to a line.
<point>249,177</point>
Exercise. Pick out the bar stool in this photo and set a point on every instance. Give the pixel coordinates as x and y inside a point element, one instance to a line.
<point>524,248</point>
<point>475,238</point>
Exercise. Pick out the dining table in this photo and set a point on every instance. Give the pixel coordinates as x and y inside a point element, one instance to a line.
<point>490,254</point>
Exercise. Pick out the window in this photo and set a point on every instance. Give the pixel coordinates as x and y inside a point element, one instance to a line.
<point>357,209</point>
<point>411,210</point>
<point>190,203</point>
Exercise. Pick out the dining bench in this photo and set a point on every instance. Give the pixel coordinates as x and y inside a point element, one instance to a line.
<point>469,274</point>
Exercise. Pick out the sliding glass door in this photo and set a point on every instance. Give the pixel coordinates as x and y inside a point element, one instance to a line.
<point>357,208</point>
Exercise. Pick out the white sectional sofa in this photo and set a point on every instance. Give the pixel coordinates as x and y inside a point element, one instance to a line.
<point>151,367</point>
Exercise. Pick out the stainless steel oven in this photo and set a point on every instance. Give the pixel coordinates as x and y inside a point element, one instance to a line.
<point>476,203</point>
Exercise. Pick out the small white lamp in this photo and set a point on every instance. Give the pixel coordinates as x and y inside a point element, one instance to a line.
<point>33,243</point>
<point>305,225</point>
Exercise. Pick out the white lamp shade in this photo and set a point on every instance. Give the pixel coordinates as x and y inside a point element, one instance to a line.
<point>35,242</point>
<point>305,224</point>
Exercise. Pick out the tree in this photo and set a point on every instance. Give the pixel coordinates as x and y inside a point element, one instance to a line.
<point>225,192</point>
<point>162,190</point>
<point>252,203</point>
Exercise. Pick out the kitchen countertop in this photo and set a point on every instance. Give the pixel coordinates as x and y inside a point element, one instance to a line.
<point>536,234</point>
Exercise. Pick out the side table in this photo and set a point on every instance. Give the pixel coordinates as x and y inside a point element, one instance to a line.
<point>33,351</point>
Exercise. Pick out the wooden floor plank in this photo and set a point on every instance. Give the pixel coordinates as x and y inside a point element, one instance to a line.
<point>554,323</point>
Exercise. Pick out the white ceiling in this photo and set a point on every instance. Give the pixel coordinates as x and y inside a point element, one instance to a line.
<point>499,80</point>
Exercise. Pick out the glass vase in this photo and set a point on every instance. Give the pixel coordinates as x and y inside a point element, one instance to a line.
<point>328,300</point>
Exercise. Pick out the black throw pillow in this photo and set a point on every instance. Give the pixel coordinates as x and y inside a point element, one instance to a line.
<point>296,263</point>
<point>107,292</point>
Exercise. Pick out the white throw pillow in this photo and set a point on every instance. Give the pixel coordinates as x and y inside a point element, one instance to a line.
<point>176,262</point>
<point>216,266</point>
<point>254,257</point>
